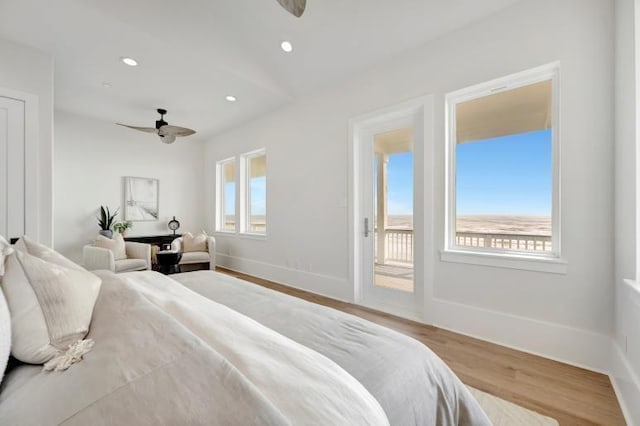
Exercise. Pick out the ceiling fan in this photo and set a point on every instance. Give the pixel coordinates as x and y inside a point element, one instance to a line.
<point>295,7</point>
<point>166,132</point>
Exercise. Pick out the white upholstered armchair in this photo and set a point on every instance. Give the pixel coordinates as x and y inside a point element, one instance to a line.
<point>138,258</point>
<point>192,257</point>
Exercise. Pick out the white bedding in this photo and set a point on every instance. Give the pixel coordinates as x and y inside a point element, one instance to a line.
<point>232,353</point>
<point>304,385</point>
<point>411,383</point>
<point>165,355</point>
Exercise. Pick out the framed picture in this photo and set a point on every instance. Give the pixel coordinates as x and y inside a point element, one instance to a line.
<point>140,199</point>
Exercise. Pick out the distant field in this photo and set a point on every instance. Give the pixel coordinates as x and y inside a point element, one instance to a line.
<point>505,224</point>
<point>488,224</point>
<point>400,221</point>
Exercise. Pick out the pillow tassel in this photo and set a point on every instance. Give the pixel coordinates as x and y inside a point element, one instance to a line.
<point>73,355</point>
<point>4,252</point>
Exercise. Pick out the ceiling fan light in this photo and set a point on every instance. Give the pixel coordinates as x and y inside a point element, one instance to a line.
<point>167,138</point>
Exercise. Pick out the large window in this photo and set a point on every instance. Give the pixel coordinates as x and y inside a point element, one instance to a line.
<point>503,166</point>
<point>255,192</point>
<point>226,199</point>
<point>242,208</point>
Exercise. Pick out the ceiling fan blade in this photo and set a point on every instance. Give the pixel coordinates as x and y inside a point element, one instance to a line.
<point>141,129</point>
<point>295,7</point>
<point>175,131</point>
<point>167,138</point>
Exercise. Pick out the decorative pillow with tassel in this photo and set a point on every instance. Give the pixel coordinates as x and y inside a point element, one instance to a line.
<point>51,301</point>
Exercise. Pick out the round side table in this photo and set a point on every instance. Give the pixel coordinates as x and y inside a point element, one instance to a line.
<point>169,261</point>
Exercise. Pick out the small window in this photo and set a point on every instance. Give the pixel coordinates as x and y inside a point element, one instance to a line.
<point>255,192</point>
<point>226,197</point>
<point>503,172</point>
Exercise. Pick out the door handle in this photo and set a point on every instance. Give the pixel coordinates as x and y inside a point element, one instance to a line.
<point>366,227</point>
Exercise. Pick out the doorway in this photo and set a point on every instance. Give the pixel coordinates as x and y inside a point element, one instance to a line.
<point>388,215</point>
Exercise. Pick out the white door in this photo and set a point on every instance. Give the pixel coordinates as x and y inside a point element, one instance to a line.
<point>391,218</point>
<point>12,167</point>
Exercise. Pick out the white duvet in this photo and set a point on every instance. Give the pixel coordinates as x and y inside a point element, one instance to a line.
<point>165,355</point>
<point>305,387</point>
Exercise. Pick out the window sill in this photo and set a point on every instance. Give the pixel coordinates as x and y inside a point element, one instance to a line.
<point>225,233</point>
<point>503,260</point>
<point>247,235</point>
<point>252,236</point>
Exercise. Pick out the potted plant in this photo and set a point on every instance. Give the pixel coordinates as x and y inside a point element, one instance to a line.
<point>105,221</point>
<point>122,227</point>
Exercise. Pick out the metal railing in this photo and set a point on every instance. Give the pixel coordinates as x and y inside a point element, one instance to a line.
<point>398,243</point>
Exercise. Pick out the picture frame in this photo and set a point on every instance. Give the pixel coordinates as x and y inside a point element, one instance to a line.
<point>141,201</point>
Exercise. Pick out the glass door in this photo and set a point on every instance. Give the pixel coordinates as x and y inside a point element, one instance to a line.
<point>389,236</point>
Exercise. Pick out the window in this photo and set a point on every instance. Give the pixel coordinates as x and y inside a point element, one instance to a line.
<point>226,199</point>
<point>249,215</point>
<point>502,180</point>
<point>255,192</point>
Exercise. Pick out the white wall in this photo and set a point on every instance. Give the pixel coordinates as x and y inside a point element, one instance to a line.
<point>561,316</point>
<point>625,367</point>
<point>29,70</point>
<point>92,156</point>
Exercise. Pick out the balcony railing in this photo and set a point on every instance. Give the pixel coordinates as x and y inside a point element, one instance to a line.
<point>399,243</point>
<point>504,241</point>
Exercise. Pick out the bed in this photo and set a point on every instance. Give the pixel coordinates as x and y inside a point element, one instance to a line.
<point>206,348</point>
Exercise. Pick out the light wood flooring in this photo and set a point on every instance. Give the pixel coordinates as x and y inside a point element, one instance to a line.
<point>571,395</point>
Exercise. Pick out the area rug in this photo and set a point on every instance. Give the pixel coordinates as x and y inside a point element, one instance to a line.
<point>505,413</point>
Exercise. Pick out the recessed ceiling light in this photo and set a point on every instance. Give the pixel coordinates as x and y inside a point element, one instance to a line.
<point>130,61</point>
<point>231,98</point>
<point>286,46</point>
<point>106,85</point>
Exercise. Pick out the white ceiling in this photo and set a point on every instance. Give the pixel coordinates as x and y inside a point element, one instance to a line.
<point>192,53</point>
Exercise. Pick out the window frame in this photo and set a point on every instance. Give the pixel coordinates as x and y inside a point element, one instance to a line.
<point>503,257</point>
<point>220,197</point>
<point>245,194</point>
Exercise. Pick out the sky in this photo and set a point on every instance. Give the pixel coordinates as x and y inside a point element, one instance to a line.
<point>258,196</point>
<point>400,184</point>
<point>506,175</point>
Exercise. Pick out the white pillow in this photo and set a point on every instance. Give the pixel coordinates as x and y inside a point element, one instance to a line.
<point>4,244</point>
<point>191,243</point>
<point>5,335</point>
<point>115,244</point>
<point>45,253</point>
<point>5,317</point>
<point>51,304</point>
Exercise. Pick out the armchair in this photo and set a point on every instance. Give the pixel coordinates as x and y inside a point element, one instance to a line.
<point>138,258</point>
<point>192,257</point>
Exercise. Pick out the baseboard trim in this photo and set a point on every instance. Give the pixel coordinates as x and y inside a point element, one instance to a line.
<point>323,285</point>
<point>626,385</point>
<point>393,310</point>
<point>580,348</point>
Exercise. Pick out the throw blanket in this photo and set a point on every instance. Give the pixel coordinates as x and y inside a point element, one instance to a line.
<point>165,355</point>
